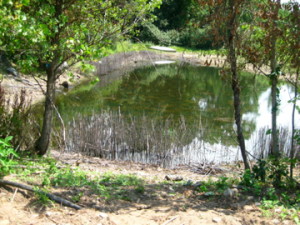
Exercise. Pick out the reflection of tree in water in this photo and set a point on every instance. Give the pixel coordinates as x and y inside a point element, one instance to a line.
<point>197,94</point>
<point>172,91</point>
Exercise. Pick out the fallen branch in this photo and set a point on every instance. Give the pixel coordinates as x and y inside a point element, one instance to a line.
<point>50,196</point>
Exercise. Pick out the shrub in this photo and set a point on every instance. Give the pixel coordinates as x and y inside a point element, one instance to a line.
<point>7,154</point>
<point>196,38</point>
<point>200,38</point>
<point>152,34</point>
<point>270,174</point>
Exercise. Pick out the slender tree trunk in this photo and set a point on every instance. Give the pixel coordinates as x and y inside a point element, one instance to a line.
<point>275,141</point>
<point>231,36</point>
<point>274,82</point>
<point>42,143</point>
<point>292,153</point>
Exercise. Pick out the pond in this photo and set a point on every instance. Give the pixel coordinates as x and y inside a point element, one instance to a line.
<point>171,115</point>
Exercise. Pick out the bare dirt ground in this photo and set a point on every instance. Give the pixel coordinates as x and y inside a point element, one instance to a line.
<point>160,204</point>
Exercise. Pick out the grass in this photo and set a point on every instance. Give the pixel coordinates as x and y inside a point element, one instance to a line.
<point>107,186</point>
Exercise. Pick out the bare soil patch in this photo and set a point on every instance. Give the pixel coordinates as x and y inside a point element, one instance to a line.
<point>161,203</point>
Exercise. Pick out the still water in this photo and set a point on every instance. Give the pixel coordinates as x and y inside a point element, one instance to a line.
<point>197,102</point>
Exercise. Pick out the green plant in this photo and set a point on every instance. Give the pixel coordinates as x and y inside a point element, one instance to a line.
<point>7,154</point>
<point>273,208</point>
<point>120,180</point>
<point>153,34</point>
<point>42,198</point>
<point>140,189</point>
<point>76,198</point>
<point>112,186</point>
<point>222,183</point>
<point>68,178</point>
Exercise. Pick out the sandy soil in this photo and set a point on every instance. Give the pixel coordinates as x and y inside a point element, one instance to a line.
<point>160,204</point>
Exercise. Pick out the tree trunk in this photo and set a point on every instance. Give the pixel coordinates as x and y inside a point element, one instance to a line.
<point>42,143</point>
<point>274,81</point>
<point>275,142</point>
<point>292,153</point>
<point>231,38</point>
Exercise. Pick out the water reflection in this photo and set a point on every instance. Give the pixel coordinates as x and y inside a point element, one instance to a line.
<point>199,96</point>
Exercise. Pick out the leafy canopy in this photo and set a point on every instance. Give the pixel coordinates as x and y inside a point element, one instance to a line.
<point>38,32</point>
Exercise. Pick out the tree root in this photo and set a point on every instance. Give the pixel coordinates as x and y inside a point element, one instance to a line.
<point>50,196</point>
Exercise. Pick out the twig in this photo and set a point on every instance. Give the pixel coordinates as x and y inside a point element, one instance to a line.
<point>170,220</point>
<point>51,219</point>
<point>14,195</point>
<point>50,196</point>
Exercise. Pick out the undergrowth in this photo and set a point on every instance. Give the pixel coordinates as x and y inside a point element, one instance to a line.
<point>278,198</point>
<point>278,192</point>
<point>107,186</point>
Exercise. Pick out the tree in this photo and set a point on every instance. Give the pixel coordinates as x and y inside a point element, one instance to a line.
<point>43,34</point>
<point>272,43</point>
<point>290,48</point>
<point>225,18</point>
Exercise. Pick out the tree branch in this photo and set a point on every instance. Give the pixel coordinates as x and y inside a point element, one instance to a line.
<point>50,196</point>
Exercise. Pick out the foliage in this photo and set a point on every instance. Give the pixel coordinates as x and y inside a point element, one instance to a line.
<point>200,38</point>
<point>273,208</point>
<point>151,33</point>
<point>42,198</point>
<point>179,22</point>
<point>66,177</point>
<point>74,29</point>
<point>7,156</point>
<point>216,187</point>
<point>107,186</point>
<point>269,180</point>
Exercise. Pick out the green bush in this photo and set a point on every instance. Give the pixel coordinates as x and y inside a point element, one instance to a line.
<point>152,34</point>
<point>189,37</point>
<point>196,38</point>
<point>7,154</point>
<point>269,179</point>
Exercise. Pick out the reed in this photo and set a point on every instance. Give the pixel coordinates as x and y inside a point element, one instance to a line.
<point>118,137</point>
<point>166,143</point>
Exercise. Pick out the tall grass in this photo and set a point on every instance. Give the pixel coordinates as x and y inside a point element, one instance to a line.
<point>166,143</point>
<point>114,136</point>
<point>17,120</point>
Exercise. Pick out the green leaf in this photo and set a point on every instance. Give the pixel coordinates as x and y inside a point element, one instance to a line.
<point>269,131</point>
